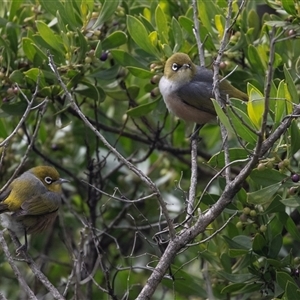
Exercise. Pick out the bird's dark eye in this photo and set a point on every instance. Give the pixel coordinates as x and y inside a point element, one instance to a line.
<point>48,180</point>
<point>175,67</point>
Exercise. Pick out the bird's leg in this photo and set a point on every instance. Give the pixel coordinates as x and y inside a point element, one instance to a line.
<point>23,248</point>
<point>196,131</point>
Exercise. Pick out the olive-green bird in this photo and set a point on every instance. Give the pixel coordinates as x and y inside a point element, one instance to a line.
<point>30,203</point>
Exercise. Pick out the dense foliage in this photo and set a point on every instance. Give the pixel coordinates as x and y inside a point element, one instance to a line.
<point>112,230</point>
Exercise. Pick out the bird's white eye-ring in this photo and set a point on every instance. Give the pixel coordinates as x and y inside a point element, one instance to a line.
<point>48,180</point>
<point>175,67</point>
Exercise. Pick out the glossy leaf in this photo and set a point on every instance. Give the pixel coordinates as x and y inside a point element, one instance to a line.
<point>291,85</point>
<point>107,10</point>
<point>218,160</point>
<point>143,109</point>
<point>255,59</point>
<point>295,137</point>
<point>114,40</point>
<point>264,195</point>
<point>125,59</point>
<point>139,34</point>
<point>242,124</point>
<point>220,23</point>
<point>275,246</point>
<point>140,73</point>
<point>283,279</point>
<point>260,245</point>
<point>255,105</point>
<point>162,25</point>
<point>222,116</point>
<point>280,104</point>
<point>177,35</point>
<point>37,76</point>
<point>54,41</point>
<point>289,7</point>
<point>28,48</point>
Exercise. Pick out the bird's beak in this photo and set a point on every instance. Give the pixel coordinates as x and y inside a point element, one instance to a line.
<point>62,180</point>
<point>186,66</point>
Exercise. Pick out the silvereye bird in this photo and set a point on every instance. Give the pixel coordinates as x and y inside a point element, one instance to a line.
<point>187,90</point>
<point>30,203</point>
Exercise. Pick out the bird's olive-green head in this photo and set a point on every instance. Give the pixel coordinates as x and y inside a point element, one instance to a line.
<point>179,68</point>
<point>49,177</point>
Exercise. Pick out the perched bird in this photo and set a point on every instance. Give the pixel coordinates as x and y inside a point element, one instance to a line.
<point>187,90</point>
<point>30,203</point>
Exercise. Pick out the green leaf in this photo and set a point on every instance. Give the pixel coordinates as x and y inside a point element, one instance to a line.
<point>280,104</point>
<point>14,109</point>
<point>105,74</point>
<point>225,260</point>
<point>293,201</point>
<point>139,34</point>
<point>263,195</point>
<point>289,7</point>
<point>188,25</point>
<point>177,35</point>
<point>242,288</point>
<point>238,124</point>
<point>114,40</point>
<point>255,60</point>
<point>220,24</point>
<point>17,76</point>
<point>236,278</point>
<point>289,224</point>
<point>253,21</point>
<point>49,37</point>
<point>291,291</point>
<point>143,109</point>
<point>14,6</point>
<point>140,73</point>
<point>36,75</point>
<point>223,118</point>
<point>162,25</point>
<point>211,9</point>
<point>260,245</point>
<point>239,242</point>
<point>291,85</point>
<point>28,48</point>
<point>108,74</point>
<point>107,10</point>
<point>188,286</point>
<point>283,278</point>
<point>3,129</point>
<point>275,246</point>
<point>82,50</point>
<point>267,177</point>
<point>70,9</point>
<point>91,91</point>
<point>255,105</point>
<point>52,6</point>
<point>12,35</point>
<point>6,53</point>
<point>125,59</point>
<point>218,160</point>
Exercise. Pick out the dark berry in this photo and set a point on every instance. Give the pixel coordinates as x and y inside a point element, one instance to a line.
<point>104,56</point>
<point>295,177</point>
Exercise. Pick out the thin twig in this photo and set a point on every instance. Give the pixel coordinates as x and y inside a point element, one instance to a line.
<point>129,165</point>
<point>196,31</point>
<point>24,157</point>
<point>193,183</point>
<point>15,269</point>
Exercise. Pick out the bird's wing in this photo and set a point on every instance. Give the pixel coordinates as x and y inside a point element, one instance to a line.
<point>3,196</point>
<point>39,205</point>
<point>198,91</point>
